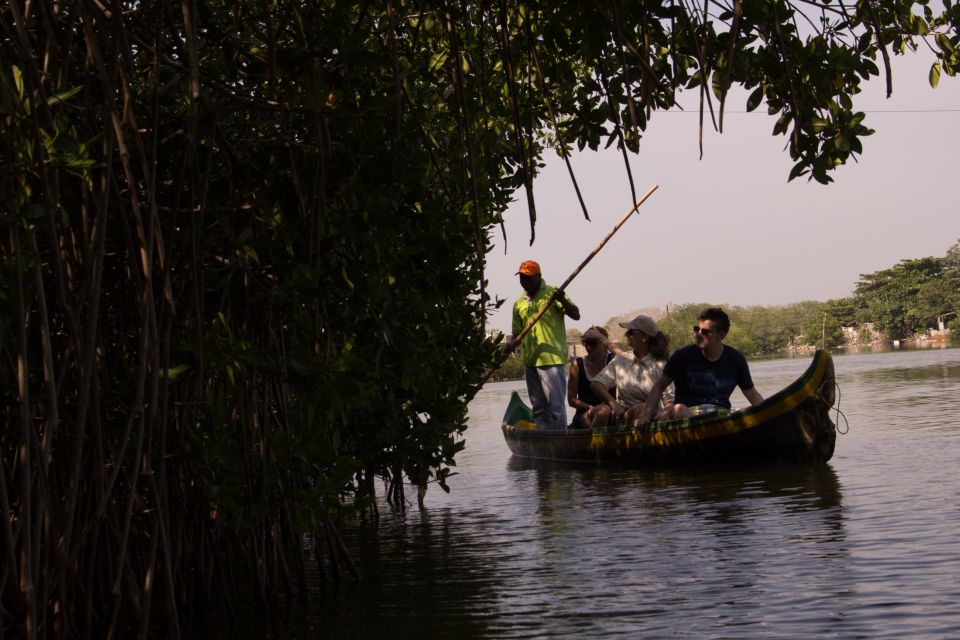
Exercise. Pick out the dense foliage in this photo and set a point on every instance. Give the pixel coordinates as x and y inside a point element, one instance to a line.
<point>754,329</point>
<point>911,296</point>
<point>243,243</point>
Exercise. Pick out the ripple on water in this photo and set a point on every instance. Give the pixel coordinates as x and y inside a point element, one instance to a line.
<point>863,547</point>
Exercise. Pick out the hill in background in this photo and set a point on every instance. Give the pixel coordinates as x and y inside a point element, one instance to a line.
<point>613,327</point>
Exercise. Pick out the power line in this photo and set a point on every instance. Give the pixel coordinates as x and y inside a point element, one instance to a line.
<point>763,112</point>
<point>911,110</point>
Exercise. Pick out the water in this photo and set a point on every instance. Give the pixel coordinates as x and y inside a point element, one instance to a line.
<point>862,547</point>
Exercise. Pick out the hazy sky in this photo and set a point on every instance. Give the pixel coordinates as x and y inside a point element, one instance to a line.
<point>729,228</point>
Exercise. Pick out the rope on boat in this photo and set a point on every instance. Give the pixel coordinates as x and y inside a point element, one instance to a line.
<point>836,405</point>
<point>846,423</point>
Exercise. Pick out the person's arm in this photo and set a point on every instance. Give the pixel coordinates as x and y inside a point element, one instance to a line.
<point>600,388</point>
<point>573,383</point>
<point>612,347</point>
<point>516,325</point>
<point>602,392</point>
<point>745,382</point>
<point>753,396</point>
<point>653,399</point>
<point>569,308</point>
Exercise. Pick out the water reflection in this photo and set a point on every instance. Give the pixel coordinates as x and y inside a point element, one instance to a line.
<point>943,372</point>
<point>863,546</point>
<point>719,539</point>
<point>806,486</point>
<point>432,573</point>
<point>889,347</point>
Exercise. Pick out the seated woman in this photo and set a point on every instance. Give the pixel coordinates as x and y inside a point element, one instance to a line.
<point>633,373</point>
<point>580,395</point>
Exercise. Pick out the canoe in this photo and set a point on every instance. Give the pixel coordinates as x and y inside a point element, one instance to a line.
<point>791,425</point>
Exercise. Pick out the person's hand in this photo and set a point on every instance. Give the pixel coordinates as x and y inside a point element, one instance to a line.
<point>617,408</point>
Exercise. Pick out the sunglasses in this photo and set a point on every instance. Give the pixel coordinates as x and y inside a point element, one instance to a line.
<point>703,331</point>
<point>589,343</point>
<point>631,332</point>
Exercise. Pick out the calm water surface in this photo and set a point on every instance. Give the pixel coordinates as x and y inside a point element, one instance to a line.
<point>862,547</point>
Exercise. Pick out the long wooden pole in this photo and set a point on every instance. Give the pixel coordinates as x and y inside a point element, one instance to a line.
<point>516,340</point>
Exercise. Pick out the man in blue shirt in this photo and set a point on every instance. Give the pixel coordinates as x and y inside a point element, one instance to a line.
<point>704,374</point>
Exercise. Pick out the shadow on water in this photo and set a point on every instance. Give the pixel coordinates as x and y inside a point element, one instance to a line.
<point>946,372</point>
<point>798,487</point>
<point>585,550</point>
<point>684,541</point>
<point>680,505</point>
<point>860,547</point>
<point>423,574</point>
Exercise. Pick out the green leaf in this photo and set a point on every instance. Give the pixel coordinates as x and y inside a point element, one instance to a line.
<point>250,252</point>
<point>437,60</point>
<point>172,373</point>
<point>781,125</point>
<point>918,25</point>
<point>820,124</point>
<point>755,98</point>
<point>798,170</point>
<point>64,96</point>
<point>18,81</point>
<point>935,74</point>
<point>943,41</point>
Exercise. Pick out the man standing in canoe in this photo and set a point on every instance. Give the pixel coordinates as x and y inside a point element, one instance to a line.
<point>704,374</point>
<point>544,346</point>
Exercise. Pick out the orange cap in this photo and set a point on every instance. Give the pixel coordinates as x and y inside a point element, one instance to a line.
<point>528,268</point>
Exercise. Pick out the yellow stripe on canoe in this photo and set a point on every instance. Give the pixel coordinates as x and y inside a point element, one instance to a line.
<point>733,423</point>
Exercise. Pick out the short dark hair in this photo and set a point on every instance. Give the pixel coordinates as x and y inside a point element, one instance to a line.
<point>718,316</point>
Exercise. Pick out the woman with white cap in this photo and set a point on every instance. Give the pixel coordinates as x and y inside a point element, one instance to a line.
<point>634,374</point>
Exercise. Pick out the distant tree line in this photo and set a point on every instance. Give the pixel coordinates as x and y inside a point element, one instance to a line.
<point>914,295</point>
<point>899,302</point>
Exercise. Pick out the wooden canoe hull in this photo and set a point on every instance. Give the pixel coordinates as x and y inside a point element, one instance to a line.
<point>792,425</point>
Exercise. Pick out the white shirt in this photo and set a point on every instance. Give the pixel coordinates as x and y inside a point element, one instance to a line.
<point>634,380</point>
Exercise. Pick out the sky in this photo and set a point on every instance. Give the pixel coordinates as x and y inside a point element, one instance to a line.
<point>729,228</point>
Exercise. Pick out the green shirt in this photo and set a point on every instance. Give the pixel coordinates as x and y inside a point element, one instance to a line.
<point>546,343</point>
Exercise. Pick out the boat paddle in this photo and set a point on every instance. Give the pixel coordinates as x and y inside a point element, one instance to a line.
<point>560,290</point>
